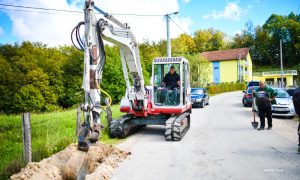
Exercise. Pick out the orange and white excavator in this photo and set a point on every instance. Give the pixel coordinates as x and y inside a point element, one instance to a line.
<point>143,105</point>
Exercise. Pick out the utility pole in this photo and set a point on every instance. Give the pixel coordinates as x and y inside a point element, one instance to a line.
<point>240,70</point>
<point>168,34</point>
<point>281,64</point>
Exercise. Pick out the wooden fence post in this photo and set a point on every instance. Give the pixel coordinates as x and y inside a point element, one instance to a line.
<point>26,136</point>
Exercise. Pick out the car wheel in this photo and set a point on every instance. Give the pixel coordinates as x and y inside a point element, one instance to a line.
<point>202,104</point>
<point>207,102</point>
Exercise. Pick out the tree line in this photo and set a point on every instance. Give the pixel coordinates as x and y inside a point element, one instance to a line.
<point>34,77</point>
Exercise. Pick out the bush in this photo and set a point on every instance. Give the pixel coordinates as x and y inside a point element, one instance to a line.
<point>225,87</point>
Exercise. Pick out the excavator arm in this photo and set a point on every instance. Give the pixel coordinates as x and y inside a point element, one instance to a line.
<point>113,31</point>
<point>110,29</point>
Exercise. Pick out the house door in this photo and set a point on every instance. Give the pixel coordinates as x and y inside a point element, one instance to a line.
<point>216,72</point>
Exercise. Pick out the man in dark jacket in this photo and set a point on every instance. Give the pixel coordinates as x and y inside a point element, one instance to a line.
<point>264,95</point>
<point>172,82</point>
<point>296,101</point>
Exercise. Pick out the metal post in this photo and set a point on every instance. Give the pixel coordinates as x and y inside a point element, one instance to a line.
<point>168,36</point>
<point>281,64</point>
<point>240,69</point>
<point>168,33</point>
<point>26,137</point>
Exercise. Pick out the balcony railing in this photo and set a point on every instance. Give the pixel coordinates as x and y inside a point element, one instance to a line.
<point>275,73</point>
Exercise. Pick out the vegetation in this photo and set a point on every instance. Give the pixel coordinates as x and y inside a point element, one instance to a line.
<point>264,40</point>
<point>225,87</point>
<point>50,133</point>
<point>36,78</point>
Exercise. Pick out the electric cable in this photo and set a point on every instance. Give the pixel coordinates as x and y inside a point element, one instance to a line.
<point>179,26</point>
<point>68,11</point>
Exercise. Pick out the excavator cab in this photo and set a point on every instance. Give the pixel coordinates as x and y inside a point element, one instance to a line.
<point>167,96</point>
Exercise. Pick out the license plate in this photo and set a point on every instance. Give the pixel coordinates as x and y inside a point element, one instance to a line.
<point>280,109</point>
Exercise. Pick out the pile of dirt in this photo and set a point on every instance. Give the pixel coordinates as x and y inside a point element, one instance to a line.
<point>97,163</point>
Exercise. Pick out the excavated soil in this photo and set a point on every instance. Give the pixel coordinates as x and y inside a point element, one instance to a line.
<point>97,163</point>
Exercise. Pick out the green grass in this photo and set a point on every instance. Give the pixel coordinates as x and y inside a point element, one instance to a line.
<point>50,133</point>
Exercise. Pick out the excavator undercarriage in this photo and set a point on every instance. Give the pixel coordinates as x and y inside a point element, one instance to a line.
<point>176,126</point>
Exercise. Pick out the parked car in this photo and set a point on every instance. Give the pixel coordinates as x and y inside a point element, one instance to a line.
<point>284,106</point>
<point>247,98</point>
<point>252,83</point>
<point>199,97</point>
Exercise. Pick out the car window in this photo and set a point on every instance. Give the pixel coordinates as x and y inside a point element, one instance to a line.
<point>250,90</point>
<point>197,91</point>
<point>290,91</point>
<point>253,83</point>
<point>281,93</point>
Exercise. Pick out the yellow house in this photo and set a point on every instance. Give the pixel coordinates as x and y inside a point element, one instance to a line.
<point>233,65</point>
<point>273,78</point>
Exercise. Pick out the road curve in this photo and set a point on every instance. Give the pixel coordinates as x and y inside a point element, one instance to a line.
<point>221,144</point>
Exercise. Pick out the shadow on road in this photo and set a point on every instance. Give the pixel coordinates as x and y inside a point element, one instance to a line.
<point>154,130</point>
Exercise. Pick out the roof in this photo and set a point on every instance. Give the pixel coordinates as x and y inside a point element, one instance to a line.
<point>230,54</point>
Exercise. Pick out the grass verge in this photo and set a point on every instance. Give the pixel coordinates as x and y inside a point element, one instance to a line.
<point>50,133</point>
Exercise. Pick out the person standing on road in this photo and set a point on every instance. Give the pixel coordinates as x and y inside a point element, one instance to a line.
<point>264,96</point>
<point>296,101</point>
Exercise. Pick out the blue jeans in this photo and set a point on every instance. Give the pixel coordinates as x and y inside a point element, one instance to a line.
<point>170,99</point>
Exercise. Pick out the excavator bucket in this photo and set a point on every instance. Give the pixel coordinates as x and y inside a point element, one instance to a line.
<point>83,142</point>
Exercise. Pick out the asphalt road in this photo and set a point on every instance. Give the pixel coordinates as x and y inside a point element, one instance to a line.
<point>221,144</point>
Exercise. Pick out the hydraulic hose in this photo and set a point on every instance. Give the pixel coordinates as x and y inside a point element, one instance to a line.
<point>110,101</point>
<point>76,30</point>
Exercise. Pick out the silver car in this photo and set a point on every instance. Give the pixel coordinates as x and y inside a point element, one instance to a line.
<point>284,106</point>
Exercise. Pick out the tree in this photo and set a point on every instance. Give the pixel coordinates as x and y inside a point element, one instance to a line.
<point>148,52</point>
<point>199,70</point>
<point>28,99</point>
<point>209,40</point>
<point>183,44</point>
<point>7,86</point>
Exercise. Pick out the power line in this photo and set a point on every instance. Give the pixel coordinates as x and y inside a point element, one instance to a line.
<point>180,27</point>
<point>39,8</point>
<point>64,10</point>
<point>40,12</point>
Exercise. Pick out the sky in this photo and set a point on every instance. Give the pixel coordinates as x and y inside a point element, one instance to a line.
<point>53,27</point>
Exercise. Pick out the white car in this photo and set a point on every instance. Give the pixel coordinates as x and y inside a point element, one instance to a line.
<point>284,106</point>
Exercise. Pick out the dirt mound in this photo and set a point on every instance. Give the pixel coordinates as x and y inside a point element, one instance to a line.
<point>97,163</point>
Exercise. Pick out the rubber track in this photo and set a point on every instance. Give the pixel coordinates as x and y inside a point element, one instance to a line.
<point>121,127</point>
<point>175,129</point>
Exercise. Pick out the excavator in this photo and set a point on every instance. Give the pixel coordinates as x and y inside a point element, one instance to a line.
<point>142,105</point>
